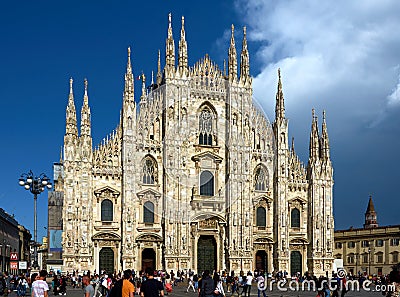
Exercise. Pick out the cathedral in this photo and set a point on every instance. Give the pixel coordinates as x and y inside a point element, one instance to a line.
<point>195,177</point>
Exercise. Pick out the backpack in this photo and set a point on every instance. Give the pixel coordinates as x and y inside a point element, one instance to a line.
<point>116,290</point>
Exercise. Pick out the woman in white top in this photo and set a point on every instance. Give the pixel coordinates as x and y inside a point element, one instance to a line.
<point>219,289</point>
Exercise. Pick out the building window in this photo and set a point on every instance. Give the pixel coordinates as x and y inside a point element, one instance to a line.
<point>379,257</point>
<point>106,210</point>
<point>149,171</point>
<point>205,127</point>
<point>148,212</point>
<point>351,244</point>
<point>261,179</point>
<point>338,256</point>
<point>379,242</point>
<point>364,258</point>
<point>365,243</point>
<point>350,259</point>
<point>395,257</point>
<point>295,218</point>
<point>206,183</point>
<point>338,245</point>
<point>261,217</point>
<point>394,242</point>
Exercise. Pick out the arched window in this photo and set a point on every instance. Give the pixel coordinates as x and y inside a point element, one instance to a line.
<point>261,179</point>
<point>148,212</point>
<point>205,127</point>
<point>149,171</point>
<point>206,183</point>
<point>295,218</point>
<point>106,210</point>
<point>261,217</point>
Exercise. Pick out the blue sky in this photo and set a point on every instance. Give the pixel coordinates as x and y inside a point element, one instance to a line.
<point>341,56</point>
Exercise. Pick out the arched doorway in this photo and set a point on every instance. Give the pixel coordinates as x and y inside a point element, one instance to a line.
<point>106,260</point>
<point>295,263</point>
<point>262,261</point>
<point>206,254</point>
<point>148,258</point>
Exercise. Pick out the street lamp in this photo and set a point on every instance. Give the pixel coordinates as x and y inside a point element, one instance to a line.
<point>36,185</point>
<point>369,260</point>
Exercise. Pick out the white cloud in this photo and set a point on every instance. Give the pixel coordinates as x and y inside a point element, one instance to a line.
<point>341,54</point>
<point>394,97</point>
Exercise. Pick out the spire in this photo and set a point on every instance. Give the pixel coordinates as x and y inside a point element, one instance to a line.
<point>159,74</point>
<point>314,138</point>
<point>183,54</point>
<point>370,215</point>
<point>85,113</point>
<point>232,59</point>
<point>169,49</point>
<point>71,127</point>
<point>280,101</point>
<point>292,147</point>
<point>325,150</point>
<point>61,155</point>
<point>244,59</point>
<point>371,207</point>
<point>129,94</point>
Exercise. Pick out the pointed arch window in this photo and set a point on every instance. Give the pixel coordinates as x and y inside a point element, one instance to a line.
<point>148,212</point>
<point>261,217</point>
<point>205,127</point>
<point>206,183</point>
<point>295,218</point>
<point>261,179</point>
<point>106,210</point>
<point>149,171</point>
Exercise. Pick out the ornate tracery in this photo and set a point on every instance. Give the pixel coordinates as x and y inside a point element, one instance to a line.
<point>205,127</point>
<point>261,179</point>
<point>149,171</point>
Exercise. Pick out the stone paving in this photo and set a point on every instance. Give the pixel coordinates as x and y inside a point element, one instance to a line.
<point>180,291</point>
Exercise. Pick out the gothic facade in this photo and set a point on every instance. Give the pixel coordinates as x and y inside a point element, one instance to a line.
<point>195,177</point>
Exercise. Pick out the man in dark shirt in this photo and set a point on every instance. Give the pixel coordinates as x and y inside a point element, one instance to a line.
<point>151,287</point>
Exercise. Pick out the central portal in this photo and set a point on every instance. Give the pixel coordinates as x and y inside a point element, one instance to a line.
<point>206,254</point>
<point>148,259</point>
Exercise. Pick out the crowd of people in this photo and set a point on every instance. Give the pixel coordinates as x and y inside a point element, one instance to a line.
<point>151,283</point>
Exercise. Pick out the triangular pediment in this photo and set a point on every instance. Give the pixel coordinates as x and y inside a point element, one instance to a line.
<point>107,192</point>
<point>299,240</point>
<point>106,236</point>
<point>207,155</point>
<point>147,192</point>
<point>263,240</point>
<point>149,237</point>
<point>298,199</point>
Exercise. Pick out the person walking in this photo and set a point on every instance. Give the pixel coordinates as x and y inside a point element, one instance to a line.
<point>151,287</point>
<point>190,284</point>
<point>22,285</point>
<point>219,289</point>
<point>128,289</point>
<point>40,287</point>
<point>207,285</point>
<point>89,289</point>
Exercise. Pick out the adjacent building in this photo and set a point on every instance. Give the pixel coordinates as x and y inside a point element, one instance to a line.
<point>195,177</point>
<point>371,250</point>
<point>14,244</point>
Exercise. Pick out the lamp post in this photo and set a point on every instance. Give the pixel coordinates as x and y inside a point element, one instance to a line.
<point>36,185</point>
<point>369,260</point>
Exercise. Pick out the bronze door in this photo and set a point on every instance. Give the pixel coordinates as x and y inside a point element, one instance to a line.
<point>206,254</point>
<point>295,263</point>
<point>106,260</point>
